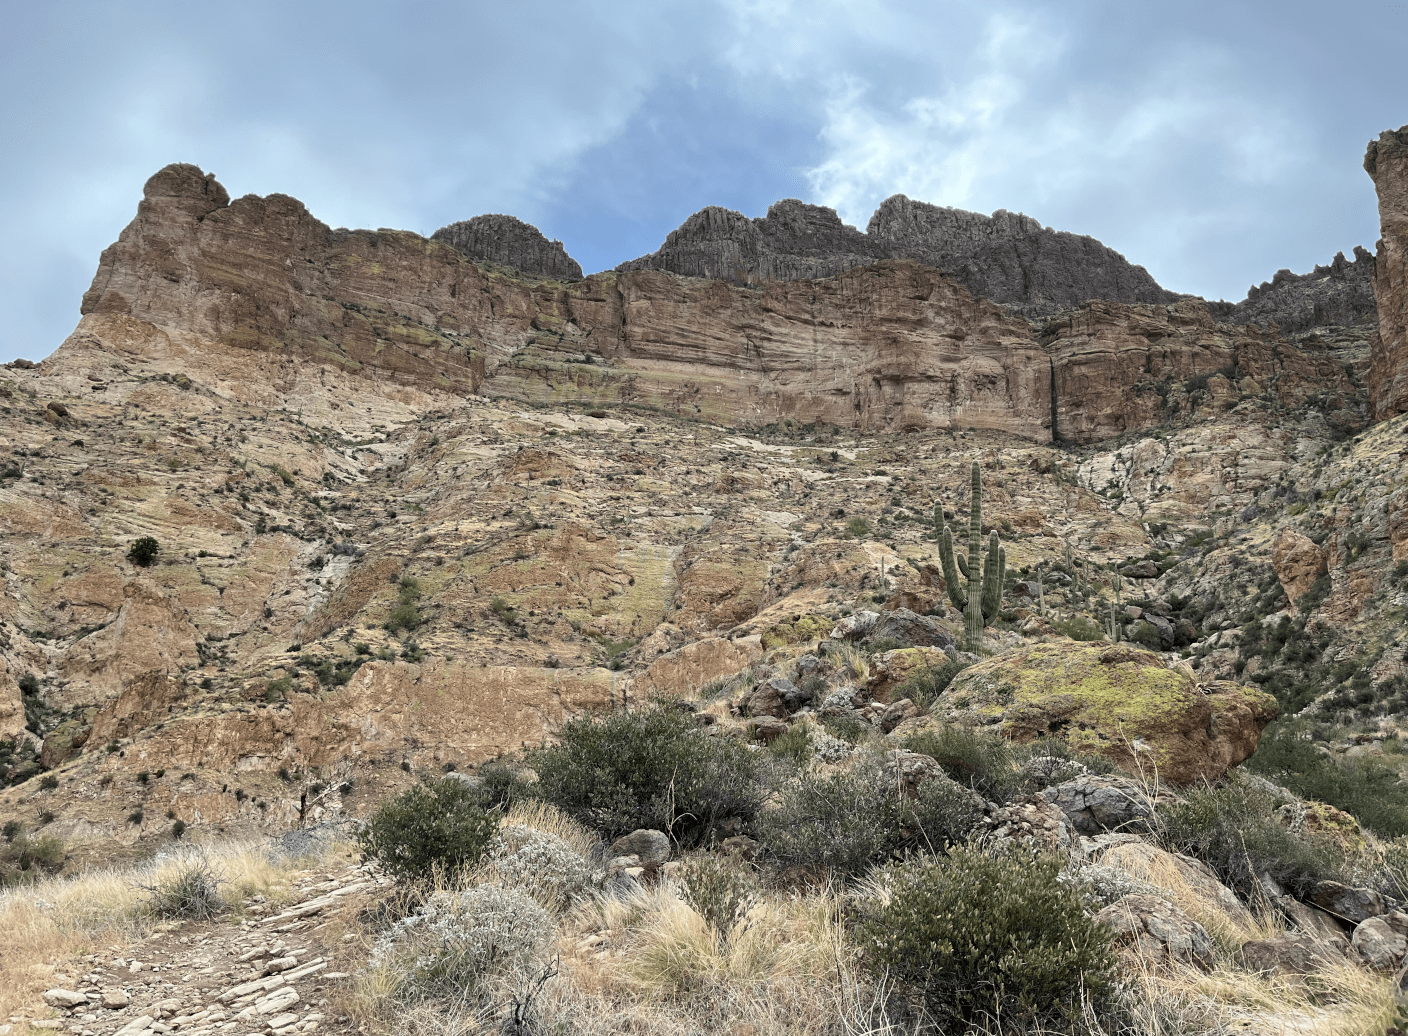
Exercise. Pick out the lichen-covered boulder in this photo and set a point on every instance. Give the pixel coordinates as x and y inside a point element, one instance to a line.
<point>1148,930</point>
<point>1116,701</point>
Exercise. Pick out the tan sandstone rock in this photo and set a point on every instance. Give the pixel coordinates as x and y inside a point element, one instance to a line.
<point>1298,562</point>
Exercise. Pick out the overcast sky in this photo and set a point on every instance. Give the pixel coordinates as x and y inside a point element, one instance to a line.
<point>1214,143</point>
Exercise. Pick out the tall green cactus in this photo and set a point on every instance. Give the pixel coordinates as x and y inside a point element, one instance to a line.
<point>982,599</point>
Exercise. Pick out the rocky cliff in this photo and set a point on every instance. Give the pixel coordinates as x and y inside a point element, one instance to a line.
<point>1386,162</point>
<point>1339,293</point>
<point>510,241</point>
<point>1006,257</point>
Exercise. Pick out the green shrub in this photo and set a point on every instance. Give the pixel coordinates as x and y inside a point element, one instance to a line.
<point>405,616</point>
<point>26,858</point>
<point>842,821</point>
<point>651,769</point>
<point>847,728</point>
<point>983,937</point>
<point>1369,789</point>
<point>857,528</point>
<point>143,551</point>
<point>984,762</point>
<point>429,828</point>
<point>718,890</point>
<point>1232,830</point>
<point>924,685</point>
<point>794,746</point>
<point>1079,628</point>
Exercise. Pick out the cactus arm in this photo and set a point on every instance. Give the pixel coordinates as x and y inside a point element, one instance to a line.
<point>992,575</point>
<point>962,565</point>
<point>955,591</point>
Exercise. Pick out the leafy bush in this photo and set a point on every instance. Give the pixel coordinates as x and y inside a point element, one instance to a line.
<point>1232,830</point>
<point>1079,628</point>
<point>1369,789</point>
<point>456,941</point>
<point>943,813</point>
<point>857,528</point>
<point>26,858</point>
<point>539,863</point>
<point>718,890</point>
<point>984,762</point>
<point>988,936</point>
<point>143,551</point>
<point>405,616</point>
<point>429,828</point>
<point>795,745</point>
<point>842,821</point>
<point>650,769</point>
<point>924,685</point>
<point>191,890</point>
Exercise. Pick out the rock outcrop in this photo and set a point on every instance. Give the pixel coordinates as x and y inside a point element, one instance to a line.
<point>1007,257</point>
<point>1386,162</point>
<point>1115,701</point>
<point>1339,293</point>
<point>510,241</point>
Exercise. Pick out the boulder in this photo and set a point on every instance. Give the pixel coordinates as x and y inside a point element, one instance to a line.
<point>768,729</point>
<point>1314,922</point>
<point>1354,905</point>
<point>1189,883</point>
<point>910,629</point>
<point>1145,569</point>
<point>763,700</point>
<point>1116,701</point>
<point>65,998</point>
<point>1150,929</point>
<point>1379,945</point>
<point>896,713</point>
<point>1096,803</point>
<point>1289,954</point>
<point>855,627</point>
<point>1297,562</point>
<point>907,770</point>
<point>652,847</point>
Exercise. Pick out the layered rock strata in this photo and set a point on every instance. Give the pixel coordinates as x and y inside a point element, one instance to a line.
<point>510,241</point>
<point>1386,162</point>
<point>1007,257</point>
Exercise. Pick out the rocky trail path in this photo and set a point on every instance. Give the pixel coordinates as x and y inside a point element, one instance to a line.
<point>278,973</point>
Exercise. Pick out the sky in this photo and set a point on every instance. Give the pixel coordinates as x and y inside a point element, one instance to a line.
<point>1213,143</point>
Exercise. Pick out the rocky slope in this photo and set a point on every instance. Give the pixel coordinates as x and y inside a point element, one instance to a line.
<point>510,241</point>
<point>1386,162</point>
<point>1007,257</point>
<point>416,510</point>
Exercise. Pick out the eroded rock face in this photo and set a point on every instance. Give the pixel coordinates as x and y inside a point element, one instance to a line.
<point>1115,701</point>
<point>1298,562</point>
<point>1007,257</point>
<point>1386,162</point>
<point>1340,292</point>
<point>510,241</point>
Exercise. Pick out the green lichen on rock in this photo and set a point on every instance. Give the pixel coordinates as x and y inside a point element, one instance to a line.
<point>1117,702</point>
<point>795,631</point>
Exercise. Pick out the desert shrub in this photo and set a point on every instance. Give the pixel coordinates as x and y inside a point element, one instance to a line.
<point>501,785</point>
<point>1369,789</point>
<point>718,890</point>
<point>191,890</point>
<point>650,769</point>
<point>848,728</point>
<point>1079,628</point>
<point>1232,830</point>
<point>48,782</point>
<point>25,857</point>
<point>980,936</point>
<point>539,863</point>
<point>1100,885</point>
<point>404,616</point>
<point>984,762</point>
<point>857,528</point>
<point>842,821</point>
<point>143,551</point>
<point>942,813</point>
<point>456,941</point>
<point>794,746</point>
<point>924,685</point>
<point>428,828</point>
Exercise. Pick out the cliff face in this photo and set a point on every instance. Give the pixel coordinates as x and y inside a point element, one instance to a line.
<point>1387,165</point>
<point>1340,293</point>
<point>510,241</point>
<point>1006,257</point>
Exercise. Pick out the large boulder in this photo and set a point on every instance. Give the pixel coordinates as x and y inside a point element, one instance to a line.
<point>910,629</point>
<point>1116,701</point>
<point>1354,905</point>
<point>1150,930</point>
<point>1381,947</point>
<point>1289,954</point>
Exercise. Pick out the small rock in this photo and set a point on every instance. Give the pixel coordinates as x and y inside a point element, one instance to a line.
<point>1355,905</point>
<point>115,998</point>
<point>280,1020</point>
<point>653,847</point>
<point>1381,947</point>
<point>1103,803</point>
<point>1150,928</point>
<point>1289,954</point>
<point>64,998</point>
<point>896,713</point>
<point>767,729</point>
<point>280,964</point>
<point>1031,822</point>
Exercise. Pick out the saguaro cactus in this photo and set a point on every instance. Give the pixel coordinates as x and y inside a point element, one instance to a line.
<point>982,599</point>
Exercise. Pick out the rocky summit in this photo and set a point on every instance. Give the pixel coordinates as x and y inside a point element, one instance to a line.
<point>297,517</point>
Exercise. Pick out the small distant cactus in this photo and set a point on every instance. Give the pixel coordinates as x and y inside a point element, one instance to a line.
<point>982,599</point>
